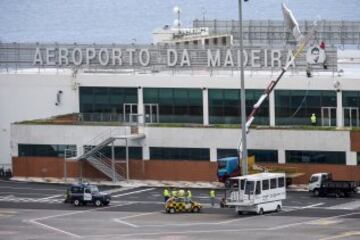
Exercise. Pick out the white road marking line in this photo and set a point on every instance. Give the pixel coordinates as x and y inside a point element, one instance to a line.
<point>138,215</point>
<point>25,193</point>
<point>214,231</point>
<point>311,206</point>
<point>55,229</point>
<point>343,235</point>
<point>313,221</point>
<point>134,192</point>
<point>354,204</point>
<point>35,221</point>
<point>34,189</point>
<point>125,223</point>
<point>118,189</point>
<point>121,220</point>
<point>54,196</point>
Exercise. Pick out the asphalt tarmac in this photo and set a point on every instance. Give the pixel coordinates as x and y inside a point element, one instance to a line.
<point>36,211</point>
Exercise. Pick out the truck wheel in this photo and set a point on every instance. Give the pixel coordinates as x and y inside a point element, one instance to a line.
<point>337,194</point>
<point>316,193</point>
<point>240,212</point>
<point>77,202</point>
<point>98,203</point>
<point>278,208</point>
<point>171,210</point>
<point>196,210</point>
<point>261,211</point>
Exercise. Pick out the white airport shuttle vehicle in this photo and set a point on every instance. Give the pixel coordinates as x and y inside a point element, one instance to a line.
<point>259,193</point>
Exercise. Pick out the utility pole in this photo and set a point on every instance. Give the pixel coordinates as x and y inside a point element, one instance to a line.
<point>243,153</point>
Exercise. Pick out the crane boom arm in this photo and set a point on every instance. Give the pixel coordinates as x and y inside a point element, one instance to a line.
<point>301,46</point>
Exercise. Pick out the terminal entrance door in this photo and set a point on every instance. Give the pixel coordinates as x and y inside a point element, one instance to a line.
<point>351,116</point>
<point>130,111</point>
<point>328,116</point>
<point>151,113</point>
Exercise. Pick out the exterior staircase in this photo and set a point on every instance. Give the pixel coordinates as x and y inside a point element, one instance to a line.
<point>91,151</point>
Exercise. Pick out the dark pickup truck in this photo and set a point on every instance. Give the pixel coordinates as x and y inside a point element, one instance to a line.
<point>321,184</point>
<point>83,193</point>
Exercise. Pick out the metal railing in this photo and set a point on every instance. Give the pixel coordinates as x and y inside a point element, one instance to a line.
<point>272,32</point>
<point>129,119</point>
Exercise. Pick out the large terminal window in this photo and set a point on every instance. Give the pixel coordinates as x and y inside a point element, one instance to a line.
<point>160,153</point>
<point>176,105</point>
<point>294,107</point>
<point>106,99</point>
<point>315,157</point>
<point>351,108</point>
<point>43,150</point>
<point>224,106</point>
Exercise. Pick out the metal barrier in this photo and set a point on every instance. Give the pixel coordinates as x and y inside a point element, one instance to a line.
<point>128,119</point>
<point>272,32</point>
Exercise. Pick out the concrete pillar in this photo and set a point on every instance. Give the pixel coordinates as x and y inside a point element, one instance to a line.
<point>205,97</point>
<point>281,157</point>
<point>213,155</point>
<point>272,108</point>
<point>146,153</point>
<point>351,158</point>
<point>339,110</point>
<point>140,105</point>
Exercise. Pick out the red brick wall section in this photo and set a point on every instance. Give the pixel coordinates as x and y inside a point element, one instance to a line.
<point>43,167</point>
<point>355,141</point>
<point>164,169</point>
<point>52,167</point>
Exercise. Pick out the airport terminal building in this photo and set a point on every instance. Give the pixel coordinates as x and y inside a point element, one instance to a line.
<point>168,110</point>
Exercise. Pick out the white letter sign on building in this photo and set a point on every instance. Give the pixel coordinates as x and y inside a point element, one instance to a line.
<point>79,55</point>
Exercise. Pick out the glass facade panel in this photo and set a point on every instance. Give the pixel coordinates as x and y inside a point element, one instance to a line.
<point>358,158</point>
<point>260,155</point>
<point>105,99</point>
<point>224,106</point>
<point>315,157</point>
<point>351,98</point>
<point>176,105</point>
<point>43,150</point>
<point>158,153</point>
<point>351,108</point>
<point>294,107</point>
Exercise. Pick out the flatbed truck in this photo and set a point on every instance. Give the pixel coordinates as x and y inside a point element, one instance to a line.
<point>322,185</point>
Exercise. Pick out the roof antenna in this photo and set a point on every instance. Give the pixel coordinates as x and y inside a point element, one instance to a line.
<point>203,11</point>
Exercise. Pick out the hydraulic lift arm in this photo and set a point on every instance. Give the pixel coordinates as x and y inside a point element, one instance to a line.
<point>302,42</point>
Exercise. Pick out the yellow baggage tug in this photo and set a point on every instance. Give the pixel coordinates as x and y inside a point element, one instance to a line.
<point>176,205</point>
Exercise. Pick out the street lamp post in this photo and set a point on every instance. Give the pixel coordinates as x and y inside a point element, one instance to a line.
<point>244,152</point>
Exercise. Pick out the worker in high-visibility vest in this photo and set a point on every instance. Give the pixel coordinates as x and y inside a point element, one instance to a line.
<point>188,195</point>
<point>313,119</point>
<point>181,193</point>
<point>212,197</point>
<point>166,194</point>
<point>174,193</point>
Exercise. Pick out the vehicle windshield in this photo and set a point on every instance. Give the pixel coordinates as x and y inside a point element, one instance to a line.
<point>221,164</point>
<point>94,189</point>
<point>313,179</point>
<point>249,187</point>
